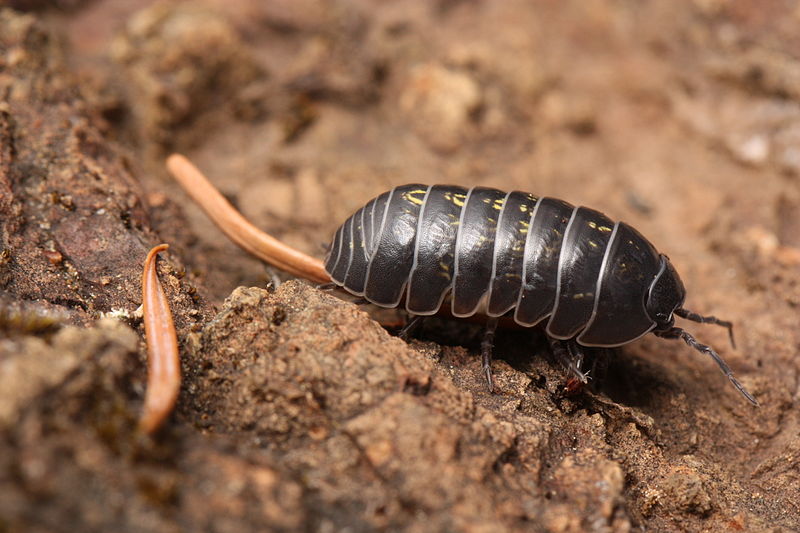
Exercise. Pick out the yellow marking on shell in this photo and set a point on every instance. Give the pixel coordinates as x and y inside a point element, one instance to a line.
<point>457,199</point>
<point>605,229</point>
<point>592,224</point>
<point>498,204</point>
<point>444,266</point>
<point>593,244</point>
<point>411,196</point>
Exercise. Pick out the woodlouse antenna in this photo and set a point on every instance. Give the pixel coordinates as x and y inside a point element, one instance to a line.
<point>238,229</point>
<point>163,363</point>
<point>694,317</point>
<point>678,333</point>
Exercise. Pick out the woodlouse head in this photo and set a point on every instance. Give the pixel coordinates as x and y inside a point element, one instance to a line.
<point>666,294</point>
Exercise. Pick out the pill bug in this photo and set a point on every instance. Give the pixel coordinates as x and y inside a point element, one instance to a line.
<point>589,281</point>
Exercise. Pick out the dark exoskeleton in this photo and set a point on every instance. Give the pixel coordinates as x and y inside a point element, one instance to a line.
<point>596,282</point>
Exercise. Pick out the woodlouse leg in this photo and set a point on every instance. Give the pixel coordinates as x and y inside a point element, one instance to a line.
<point>694,317</point>
<point>414,322</point>
<point>678,333</point>
<point>568,353</point>
<point>577,357</point>
<point>486,352</point>
<point>326,286</point>
<point>600,364</point>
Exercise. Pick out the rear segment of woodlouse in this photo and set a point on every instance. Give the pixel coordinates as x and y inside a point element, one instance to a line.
<point>595,281</point>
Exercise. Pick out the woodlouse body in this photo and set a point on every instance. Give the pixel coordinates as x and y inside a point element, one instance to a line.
<point>597,282</point>
<point>495,252</point>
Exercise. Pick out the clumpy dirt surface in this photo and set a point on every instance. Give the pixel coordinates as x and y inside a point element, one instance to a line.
<point>298,411</point>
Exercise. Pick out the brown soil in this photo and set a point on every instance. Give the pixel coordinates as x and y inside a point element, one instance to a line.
<point>298,411</point>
